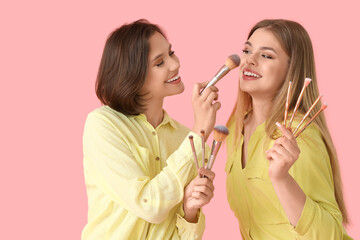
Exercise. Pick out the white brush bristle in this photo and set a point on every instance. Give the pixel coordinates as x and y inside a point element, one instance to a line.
<point>307,81</point>
<point>220,133</point>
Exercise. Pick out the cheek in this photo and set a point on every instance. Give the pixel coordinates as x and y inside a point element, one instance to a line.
<point>279,75</point>
<point>283,71</point>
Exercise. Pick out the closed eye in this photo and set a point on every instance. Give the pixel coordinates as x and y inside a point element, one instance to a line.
<point>160,63</point>
<point>266,56</point>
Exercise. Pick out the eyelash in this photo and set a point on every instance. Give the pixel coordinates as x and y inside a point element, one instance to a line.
<point>159,64</point>
<point>263,55</point>
<point>170,54</point>
<point>266,56</point>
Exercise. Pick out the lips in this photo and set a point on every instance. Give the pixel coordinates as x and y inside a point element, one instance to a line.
<point>174,80</point>
<point>249,74</point>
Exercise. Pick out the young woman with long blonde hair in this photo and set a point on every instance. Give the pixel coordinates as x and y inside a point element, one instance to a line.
<point>279,186</point>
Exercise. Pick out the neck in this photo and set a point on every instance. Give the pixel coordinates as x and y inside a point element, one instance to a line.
<point>260,111</point>
<point>154,112</point>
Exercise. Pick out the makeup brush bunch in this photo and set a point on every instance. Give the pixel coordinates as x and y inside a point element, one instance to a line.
<point>220,133</point>
<point>297,131</point>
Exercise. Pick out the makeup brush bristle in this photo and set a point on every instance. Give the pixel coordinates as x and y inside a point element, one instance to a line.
<point>232,61</point>
<point>220,133</point>
<point>307,81</point>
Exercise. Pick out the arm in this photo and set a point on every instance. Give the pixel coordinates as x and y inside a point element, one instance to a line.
<point>199,191</point>
<point>197,194</point>
<point>282,156</point>
<point>117,168</point>
<point>304,185</point>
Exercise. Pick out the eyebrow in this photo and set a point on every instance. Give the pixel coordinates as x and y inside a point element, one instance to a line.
<point>262,48</point>
<point>160,55</point>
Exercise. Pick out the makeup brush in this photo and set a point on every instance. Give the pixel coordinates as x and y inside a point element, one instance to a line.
<point>203,146</point>
<point>220,133</point>
<point>307,113</point>
<point>233,61</point>
<point>191,138</point>
<point>287,103</point>
<point>323,107</point>
<point>306,83</point>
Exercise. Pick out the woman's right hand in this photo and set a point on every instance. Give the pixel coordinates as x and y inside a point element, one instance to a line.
<point>205,107</point>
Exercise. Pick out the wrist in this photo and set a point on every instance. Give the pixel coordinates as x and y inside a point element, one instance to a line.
<point>191,215</point>
<point>281,179</point>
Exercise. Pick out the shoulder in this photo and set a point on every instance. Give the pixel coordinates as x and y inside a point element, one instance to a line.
<point>311,137</point>
<point>107,114</point>
<point>314,154</point>
<point>104,120</point>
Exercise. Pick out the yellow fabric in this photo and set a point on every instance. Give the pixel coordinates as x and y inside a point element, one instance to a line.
<point>254,202</point>
<point>135,176</point>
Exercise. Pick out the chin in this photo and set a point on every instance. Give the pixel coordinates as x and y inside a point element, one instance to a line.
<point>179,91</point>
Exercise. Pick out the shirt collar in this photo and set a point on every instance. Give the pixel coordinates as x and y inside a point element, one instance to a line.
<point>166,120</point>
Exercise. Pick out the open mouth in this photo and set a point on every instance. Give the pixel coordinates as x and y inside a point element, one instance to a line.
<point>250,75</point>
<point>174,79</point>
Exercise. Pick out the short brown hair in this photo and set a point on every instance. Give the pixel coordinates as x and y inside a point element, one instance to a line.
<point>123,67</point>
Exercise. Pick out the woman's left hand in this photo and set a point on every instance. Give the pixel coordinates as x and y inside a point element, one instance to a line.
<point>282,155</point>
<point>198,193</point>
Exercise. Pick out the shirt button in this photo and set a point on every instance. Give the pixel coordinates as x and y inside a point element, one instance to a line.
<point>154,133</point>
<point>157,158</point>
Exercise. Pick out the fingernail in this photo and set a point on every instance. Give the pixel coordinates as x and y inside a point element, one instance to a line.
<point>278,124</point>
<point>267,151</point>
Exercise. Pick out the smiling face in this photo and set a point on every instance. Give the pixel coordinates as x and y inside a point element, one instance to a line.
<point>264,64</point>
<point>162,78</point>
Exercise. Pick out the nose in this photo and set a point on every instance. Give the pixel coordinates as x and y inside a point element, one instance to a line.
<point>251,59</point>
<point>174,63</point>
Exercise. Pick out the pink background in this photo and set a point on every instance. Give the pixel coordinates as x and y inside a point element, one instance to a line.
<point>50,54</point>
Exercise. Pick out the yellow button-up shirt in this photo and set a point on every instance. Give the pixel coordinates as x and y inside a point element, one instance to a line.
<point>135,177</point>
<point>254,202</point>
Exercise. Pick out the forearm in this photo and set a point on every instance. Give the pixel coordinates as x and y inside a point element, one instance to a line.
<point>149,198</point>
<point>291,197</point>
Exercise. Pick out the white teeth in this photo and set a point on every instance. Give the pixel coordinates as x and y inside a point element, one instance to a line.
<point>173,79</point>
<point>251,74</point>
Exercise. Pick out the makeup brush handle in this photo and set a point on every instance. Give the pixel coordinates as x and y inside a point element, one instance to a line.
<point>211,162</point>
<point>221,73</point>
<point>213,154</point>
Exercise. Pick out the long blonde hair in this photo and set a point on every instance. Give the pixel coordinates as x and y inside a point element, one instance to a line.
<point>296,42</point>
